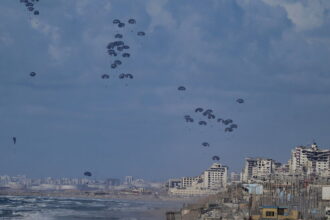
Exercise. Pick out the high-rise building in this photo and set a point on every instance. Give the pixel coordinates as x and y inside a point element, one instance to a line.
<point>256,168</point>
<point>128,180</point>
<point>209,182</point>
<point>215,177</point>
<point>310,161</point>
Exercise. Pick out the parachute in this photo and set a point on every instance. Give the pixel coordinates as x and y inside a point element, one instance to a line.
<point>113,66</point>
<point>198,110</point>
<point>128,75</point>
<point>117,62</point>
<point>126,55</point>
<point>14,140</point>
<point>141,33</point>
<point>227,121</point>
<point>131,21</point>
<point>188,118</point>
<point>202,123</point>
<point>33,74</point>
<point>216,158</point>
<point>182,88</point>
<point>240,100</point>
<point>229,129</point>
<point>118,36</point>
<point>219,120</point>
<point>210,116</point>
<point>36,12</point>
<point>121,76</point>
<point>116,21</point>
<point>105,76</point>
<point>120,25</point>
<point>87,173</point>
<point>205,144</point>
<point>233,126</point>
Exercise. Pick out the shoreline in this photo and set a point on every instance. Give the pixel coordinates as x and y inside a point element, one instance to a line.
<point>108,196</point>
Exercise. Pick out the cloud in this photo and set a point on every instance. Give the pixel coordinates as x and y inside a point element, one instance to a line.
<point>305,14</point>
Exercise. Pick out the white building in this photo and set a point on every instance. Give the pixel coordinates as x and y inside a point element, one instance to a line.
<point>257,168</point>
<point>215,177</point>
<point>235,177</point>
<point>310,160</point>
<point>128,180</point>
<point>209,182</point>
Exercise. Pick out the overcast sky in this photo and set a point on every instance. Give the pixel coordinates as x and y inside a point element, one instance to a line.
<point>273,53</point>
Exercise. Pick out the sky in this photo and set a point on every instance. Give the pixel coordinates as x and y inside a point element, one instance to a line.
<point>67,119</point>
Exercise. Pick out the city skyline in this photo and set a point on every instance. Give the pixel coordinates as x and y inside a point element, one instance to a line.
<point>68,120</point>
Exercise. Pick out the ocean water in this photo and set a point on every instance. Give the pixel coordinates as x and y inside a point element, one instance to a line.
<point>45,208</point>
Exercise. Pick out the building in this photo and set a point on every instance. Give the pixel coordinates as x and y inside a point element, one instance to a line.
<point>209,182</point>
<point>310,161</point>
<point>257,168</point>
<point>128,180</point>
<point>235,177</point>
<point>215,177</point>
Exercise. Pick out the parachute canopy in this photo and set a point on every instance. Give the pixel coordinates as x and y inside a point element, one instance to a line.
<point>240,100</point>
<point>182,88</point>
<point>131,21</point>
<point>105,76</point>
<point>205,144</point>
<point>87,173</point>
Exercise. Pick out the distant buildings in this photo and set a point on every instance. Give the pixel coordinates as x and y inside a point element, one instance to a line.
<point>128,180</point>
<point>310,161</point>
<point>257,168</point>
<point>209,182</point>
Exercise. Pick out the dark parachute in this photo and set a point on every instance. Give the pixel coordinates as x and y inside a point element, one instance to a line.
<point>207,112</point>
<point>121,25</point>
<point>118,36</point>
<point>205,144</point>
<point>210,116</point>
<point>125,47</point>
<point>229,129</point>
<point>14,140</point>
<point>126,55</point>
<point>131,21</point>
<point>240,101</point>
<point>116,21</point>
<point>198,110</point>
<point>216,158</point>
<point>219,120</point>
<point>31,8</point>
<point>141,33</point>
<point>33,74</point>
<point>227,121</point>
<point>113,66</point>
<point>122,76</point>
<point>87,173</point>
<point>117,62</point>
<point>233,126</point>
<point>202,123</point>
<point>188,118</point>
<point>182,88</point>
<point>105,76</point>
<point>36,12</point>
<point>128,75</point>
<point>112,53</point>
<point>120,48</point>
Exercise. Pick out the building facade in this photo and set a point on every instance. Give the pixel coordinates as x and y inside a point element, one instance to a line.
<point>310,161</point>
<point>257,168</point>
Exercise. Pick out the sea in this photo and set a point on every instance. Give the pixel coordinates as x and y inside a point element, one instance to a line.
<point>45,208</point>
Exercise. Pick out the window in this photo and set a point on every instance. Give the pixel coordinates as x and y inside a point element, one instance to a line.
<point>268,213</point>
<point>280,211</point>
